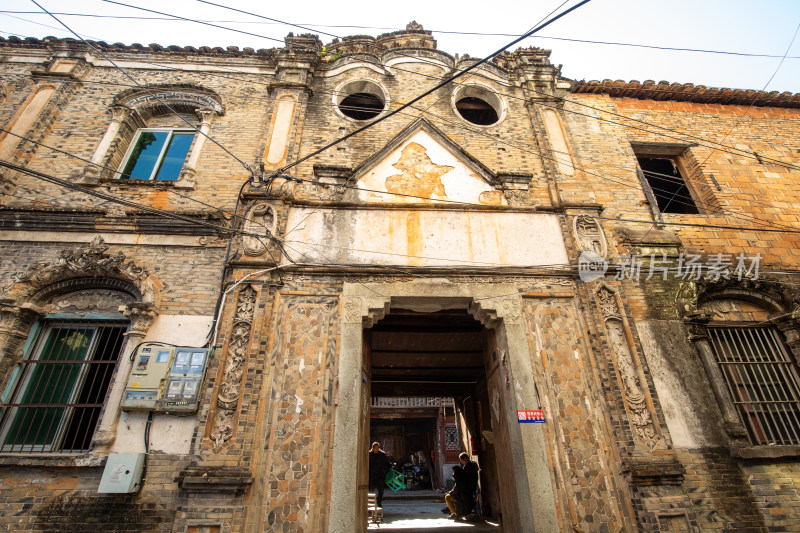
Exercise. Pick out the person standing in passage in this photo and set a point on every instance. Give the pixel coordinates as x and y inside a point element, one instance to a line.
<point>470,477</point>
<point>378,466</point>
<point>471,469</point>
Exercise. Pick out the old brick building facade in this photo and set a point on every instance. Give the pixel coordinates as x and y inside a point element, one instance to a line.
<point>435,254</point>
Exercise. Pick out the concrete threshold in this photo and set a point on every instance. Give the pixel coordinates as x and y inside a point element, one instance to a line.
<point>413,515</point>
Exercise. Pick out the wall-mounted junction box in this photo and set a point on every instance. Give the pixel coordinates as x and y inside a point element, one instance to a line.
<point>185,378</point>
<point>123,473</point>
<point>148,377</point>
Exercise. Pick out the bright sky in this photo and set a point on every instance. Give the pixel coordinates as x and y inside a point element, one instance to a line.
<point>742,26</point>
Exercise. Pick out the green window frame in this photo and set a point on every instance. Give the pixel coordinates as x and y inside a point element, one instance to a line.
<point>52,402</point>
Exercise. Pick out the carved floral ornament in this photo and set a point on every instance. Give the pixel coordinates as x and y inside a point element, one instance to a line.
<point>172,95</point>
<point>628,371</point>
<point>607,299</point>
<point>234,364</point>
<point>44,284</point>
<point>769,293</point>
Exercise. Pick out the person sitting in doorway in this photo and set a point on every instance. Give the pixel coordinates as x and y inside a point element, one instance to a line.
<point>379,465</point>
<point>459,499</point>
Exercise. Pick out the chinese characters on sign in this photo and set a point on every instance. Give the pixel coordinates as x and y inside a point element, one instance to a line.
<point>688,267</point>
<point>527,417</point>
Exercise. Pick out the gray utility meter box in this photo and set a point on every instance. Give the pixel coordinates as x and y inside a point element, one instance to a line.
<point>123,473</point>
<point>184,381</point>
<point>148,377</point>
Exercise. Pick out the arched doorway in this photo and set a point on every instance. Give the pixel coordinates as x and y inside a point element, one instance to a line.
<point>526,494</point>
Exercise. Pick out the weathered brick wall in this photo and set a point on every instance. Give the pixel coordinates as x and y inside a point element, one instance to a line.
<point>83,119</point>
<point>502,147</point>
<point>719,493</point>
<point>774,487</point>
<point>41,498</point>
<point>751,191</point>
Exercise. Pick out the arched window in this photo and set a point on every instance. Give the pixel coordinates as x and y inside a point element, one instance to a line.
<point>747,337</point>
<point>66,327</point>
<point>156,134</point>
<point>758,369</point>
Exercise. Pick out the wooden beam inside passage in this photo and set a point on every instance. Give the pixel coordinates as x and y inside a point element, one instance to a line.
<point>427,360</point>
<point>422,389</point>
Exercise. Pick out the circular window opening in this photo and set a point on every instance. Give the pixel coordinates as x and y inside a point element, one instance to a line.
<point>361,106</point>
<point>477,111</point>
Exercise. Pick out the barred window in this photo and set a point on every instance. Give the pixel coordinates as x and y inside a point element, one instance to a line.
<point>763,381</point>
<point>53,400</point>
<point>451,437</point>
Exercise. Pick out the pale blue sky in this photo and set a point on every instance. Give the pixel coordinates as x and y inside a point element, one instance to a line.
<point>766,27</point>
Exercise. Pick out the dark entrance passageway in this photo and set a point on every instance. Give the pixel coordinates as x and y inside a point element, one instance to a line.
<point>429,402</point>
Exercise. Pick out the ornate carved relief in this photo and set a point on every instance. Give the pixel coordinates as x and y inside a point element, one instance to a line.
<point>236,356</point>
<point>632,389</point>
<point>608,303</point>
<point>640,415</point>
<point>775,295</point>
<point>141,315</point>
<point>589,235</point>
<point>351,310</point>
<point>13,318</point>
<point>516,197</point>
<point>91,299</point>
<point>89,260</point>
<point>511,311</point>
<point>260,220</point>
<point>489,312</point>
<point>365,311</point>
<point>171,95</point>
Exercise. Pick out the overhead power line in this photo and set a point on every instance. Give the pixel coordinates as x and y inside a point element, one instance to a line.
<point>87,43</point>
<point>111,198</point>
<point>713,144</point>
<point>657,192</point>
<point>736,215</point>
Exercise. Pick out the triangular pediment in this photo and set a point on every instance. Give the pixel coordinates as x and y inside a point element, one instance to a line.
<point>421,164</point>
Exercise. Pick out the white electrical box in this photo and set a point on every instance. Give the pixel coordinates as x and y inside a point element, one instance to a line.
<point>123,473</point>
<point>184,381</point>
<point>148,377</point>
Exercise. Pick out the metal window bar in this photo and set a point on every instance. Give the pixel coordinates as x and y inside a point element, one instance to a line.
<point>763,381</point>
<point>62,383</point>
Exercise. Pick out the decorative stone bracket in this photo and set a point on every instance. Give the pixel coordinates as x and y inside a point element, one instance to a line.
<point>141,315</point>
<point>653,470</point>
<point>365,311</point>
<point>230,479</point>
<point>507,309</point>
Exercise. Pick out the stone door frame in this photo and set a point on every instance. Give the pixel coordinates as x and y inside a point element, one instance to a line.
<point>496,306</point>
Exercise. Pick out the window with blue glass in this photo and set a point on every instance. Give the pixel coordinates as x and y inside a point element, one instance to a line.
<point>157,154</point>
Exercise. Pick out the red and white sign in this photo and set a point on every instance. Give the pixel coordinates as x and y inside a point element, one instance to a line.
<point>527,417</point>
